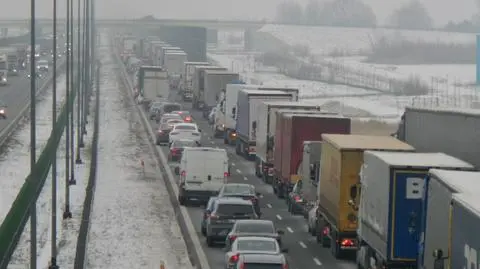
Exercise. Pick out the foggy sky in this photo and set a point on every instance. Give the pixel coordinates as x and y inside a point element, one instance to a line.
<point>441,10</point>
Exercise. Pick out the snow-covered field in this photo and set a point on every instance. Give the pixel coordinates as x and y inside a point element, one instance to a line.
<point>325,40</point>
<point>14,167</point>
<point>133,223</point>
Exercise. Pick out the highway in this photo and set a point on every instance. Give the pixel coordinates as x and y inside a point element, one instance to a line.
<point>304,252</point>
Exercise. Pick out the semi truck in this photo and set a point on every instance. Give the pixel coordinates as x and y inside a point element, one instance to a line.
<point>166,49</point>
<point>430,130</point>
<point>292,129</point>
<point>3,70</point>
<point>341,162</point>
<point>12,59</point>
<point>174,62</point>
<point>215,83</point>
<point>390,207</point>
<point>266,122</point>
<point>153,83</point>
<point>186,84</point>
<point>199,84</point>
<point>436,202</point>
<point>246,114</point>
<point>465,243</point>
<point>228,110</point>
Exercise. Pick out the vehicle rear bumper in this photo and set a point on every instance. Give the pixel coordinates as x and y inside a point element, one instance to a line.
<point>198,196</point>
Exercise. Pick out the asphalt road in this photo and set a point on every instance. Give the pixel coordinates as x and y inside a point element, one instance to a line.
<point>304,252</point>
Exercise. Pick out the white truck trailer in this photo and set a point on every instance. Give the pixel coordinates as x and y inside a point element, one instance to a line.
<point>199,83</point>
<point>174,62</point>
<point>215,83</point>
<point>3,70</point>
<point>187,80</point>
<point>153,83</point>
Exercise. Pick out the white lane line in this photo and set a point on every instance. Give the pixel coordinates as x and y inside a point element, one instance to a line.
<point>290,230</point>
<point>317,261</point>
<point>238,171</point>
<point>233,164</point>
<point>278,217</point>
<point>245,178</point>
<point>302,244</point>
<point>269,205</point>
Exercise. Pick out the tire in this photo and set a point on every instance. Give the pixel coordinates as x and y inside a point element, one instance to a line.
<point>210,242</point>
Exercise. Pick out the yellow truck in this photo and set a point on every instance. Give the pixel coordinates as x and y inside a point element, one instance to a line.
<point>340,165</point>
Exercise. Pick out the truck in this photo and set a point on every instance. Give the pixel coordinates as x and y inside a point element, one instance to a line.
<point>341,162</point>
<point>246,113</point>
<point>157,51</point>
<point>12,59</point>
<point>390,208</point>
<point>174,62</point>
<point>303,196</point>
<point>435,228</point>
<point>215,83</point>
<point>166,49</point>
<point>266,122</point>
<point>227,115</point>
<point>187,79</point>
<point>153,83</point>
<point>199,84</point>
<point>292,129</point>
<point>464,244</point>
<point>3,70</point>
<point>431,130</point>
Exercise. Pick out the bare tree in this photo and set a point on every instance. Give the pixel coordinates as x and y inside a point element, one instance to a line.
<point>312,12</point>
<point>413,15</point>
<point>348,13</point>
<point>289,12</point>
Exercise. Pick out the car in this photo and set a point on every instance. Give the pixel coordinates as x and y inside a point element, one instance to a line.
<point>166,117</point>
<point>206,213</point>
<point>38,74</point>
<point>162,134</point>
<point>223,216</point>
<point>187,117</point>
<point>42,65</point>
<point>295,200</point>
<point>3,110</point>
<point>202,172</point>
<point>185,131</point>
<point>178,146</point>
<point>154,109</point>
<point>262,228</point>
<point>241,190</point>
<point>261,261</point>
<point>169,107</point>
<point>251,244</point>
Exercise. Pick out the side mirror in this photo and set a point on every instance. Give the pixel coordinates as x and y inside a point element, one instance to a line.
<point>353,192</point>
<point>285,250</point>
<point>281,232</point>
<point>177,171</point>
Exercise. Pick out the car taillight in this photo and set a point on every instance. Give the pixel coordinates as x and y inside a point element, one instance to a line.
<point>234,258</point>
<point>183,173</point>
<point>232,238</point>
<point>347,243</point>
<point>213,216</point>
<point>242,266</point>
<point>226,174</point>
<point>175,151</point>
<point>326,231</point>
<point>160,131</point>
<point>297,198</point>
<point>270,171</point>
<point>285,266</point>
<point>188,119</point>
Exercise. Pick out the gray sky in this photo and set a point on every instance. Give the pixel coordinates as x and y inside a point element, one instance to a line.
<point>441,10</point>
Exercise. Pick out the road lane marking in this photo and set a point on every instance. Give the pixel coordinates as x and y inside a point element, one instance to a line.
<point>290,230</point>
<point>317,261</point>
<point>269,205</point>
<point>302,244</point>
<point>278,217</point>
<point>238,171</point>
<point>245,178</point>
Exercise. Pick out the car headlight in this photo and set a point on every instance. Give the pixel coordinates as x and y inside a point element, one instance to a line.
<point>2,111</point>
<point>4,79</point>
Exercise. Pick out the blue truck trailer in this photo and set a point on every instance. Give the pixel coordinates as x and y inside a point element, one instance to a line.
<point>435,229</point>
<point>390,209</point>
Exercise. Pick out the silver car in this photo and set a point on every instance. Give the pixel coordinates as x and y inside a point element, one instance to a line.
<point>251,244</point>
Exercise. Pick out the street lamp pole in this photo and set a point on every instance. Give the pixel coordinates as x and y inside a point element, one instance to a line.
<point>67,213</point>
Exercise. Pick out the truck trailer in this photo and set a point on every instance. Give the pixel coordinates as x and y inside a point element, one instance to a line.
<point>174,62</point>
<point>292,130</point>
<point>341,162</point>
<point>199,84</point>
<point>215,83</point>
<point>187,79</point>
<point>266,122</point>
<point>153,83</point>
<point>390,208</point>
<point>448,130</point>
<point>246,113</point>
<point>435,229</point>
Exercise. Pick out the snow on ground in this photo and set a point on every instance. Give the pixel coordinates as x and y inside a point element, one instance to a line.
<point>133,222</point>
<point>325,40</point>
<point>14,165</point>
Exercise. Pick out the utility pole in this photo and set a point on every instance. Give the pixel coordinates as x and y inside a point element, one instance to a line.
<point>53,260</point>
<point>33,138</point>
<point>80,85</point>
<point>76,87</point>
<point>67,214</point>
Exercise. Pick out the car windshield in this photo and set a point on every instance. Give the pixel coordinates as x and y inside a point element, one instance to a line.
<point>184,143</point>
<point>156,105</point>
<point>232,209</point>
<point>165,126</point>
<point>262,266</point>
<point>185,127</point>
<point>255,228</point>
<point>171,107</point>
<point>238,190</point>
<point>257,245</point>
<point>166,118</point>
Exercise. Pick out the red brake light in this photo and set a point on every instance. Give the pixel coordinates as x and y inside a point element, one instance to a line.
<point>347,243</point>
<point>174,150</point>
<point>326,231</point>
<point>242,266</point>
<point>183,173</point>
<point>226,174</point>
<point>285,266</point>
<point>235,258</point>
<point>188,119</point>
<point>232,237</point>
<point>297,198</point>
<point>160,131</point>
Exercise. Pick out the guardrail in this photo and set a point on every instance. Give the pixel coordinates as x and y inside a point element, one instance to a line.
<point>196,254</point>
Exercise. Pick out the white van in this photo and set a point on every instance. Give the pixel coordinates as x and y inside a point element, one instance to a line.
<point>202,172</point>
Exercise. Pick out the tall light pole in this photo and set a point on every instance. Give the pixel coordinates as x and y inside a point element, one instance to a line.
<point>74,86</point>
<point>67,213</point>
<point>33,158</point>
<point>53,259</point>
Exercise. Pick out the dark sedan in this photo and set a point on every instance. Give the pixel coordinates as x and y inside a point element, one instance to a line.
<point>245,191</point>
<point>163,134</point>
<point>177,147</point>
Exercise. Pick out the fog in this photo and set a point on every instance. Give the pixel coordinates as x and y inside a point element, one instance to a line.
<point>441,11</point>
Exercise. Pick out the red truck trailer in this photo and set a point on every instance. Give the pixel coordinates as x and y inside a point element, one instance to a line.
<point>292,130</point>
